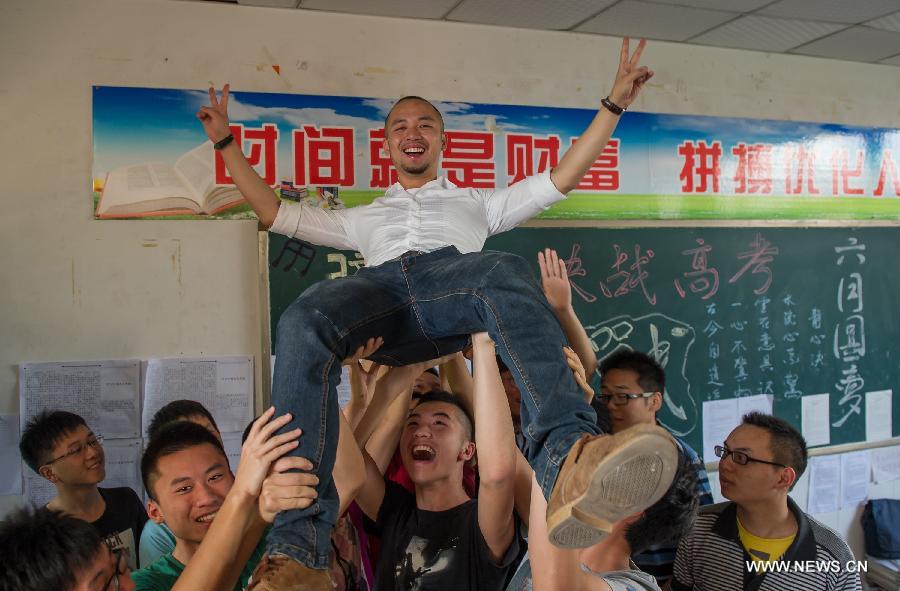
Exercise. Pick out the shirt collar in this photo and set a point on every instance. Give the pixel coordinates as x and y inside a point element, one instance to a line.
<point>802,548</point>
<point>438,183</point>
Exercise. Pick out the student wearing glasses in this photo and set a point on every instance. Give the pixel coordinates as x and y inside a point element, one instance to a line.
<point>52,551</point>
<point>734,544</point>
<point>632,392</point>
<point>61,447</point>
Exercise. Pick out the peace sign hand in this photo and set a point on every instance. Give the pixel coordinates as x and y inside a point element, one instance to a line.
<point>215,117</point>
<point>631,76</point>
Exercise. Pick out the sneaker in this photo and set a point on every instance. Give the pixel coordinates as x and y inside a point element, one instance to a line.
<point>606,478</point>
<point>278,572</point>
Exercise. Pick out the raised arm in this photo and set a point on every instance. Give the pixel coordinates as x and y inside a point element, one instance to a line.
<point>630,77</point>
<point>259,195</point>
<point>495,444</point>
<point>555,281</point>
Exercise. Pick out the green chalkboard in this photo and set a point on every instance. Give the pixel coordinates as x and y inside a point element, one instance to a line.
<point>730,312</point>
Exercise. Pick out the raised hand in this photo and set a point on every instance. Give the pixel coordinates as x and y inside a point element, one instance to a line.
<point>630,77</point>
<point>215,117</point>
<point>261,449</point>
<point>555,280</point>
<point>285,488</point>
<point>578,371</point>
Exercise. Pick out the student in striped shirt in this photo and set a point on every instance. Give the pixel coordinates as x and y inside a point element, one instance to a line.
<point>633,384</point>
<point>760,539</point>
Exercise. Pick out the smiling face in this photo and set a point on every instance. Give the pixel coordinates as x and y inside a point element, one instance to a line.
<point>190,487</point>
<point>434,444</point>
<point>85,468</point>
<point>414,138</point>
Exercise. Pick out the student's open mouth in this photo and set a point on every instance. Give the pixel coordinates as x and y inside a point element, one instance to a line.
<point>423,453</point>
<point>208,517</point>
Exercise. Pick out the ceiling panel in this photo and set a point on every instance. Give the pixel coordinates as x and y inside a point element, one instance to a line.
<point>636,18</point>
<point>727,5</point>
<point>893,61</point>
<point>857,44</point>
<point>397,8</point>
<point>530,14</point>
<point>888,23</point>
<point>836,11</point>
<point>765,34</point>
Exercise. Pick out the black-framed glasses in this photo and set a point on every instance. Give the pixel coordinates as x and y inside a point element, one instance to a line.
<point>94,441</point>
<point>739,457</point>
<point>121,569</point>
<point>623,399</point>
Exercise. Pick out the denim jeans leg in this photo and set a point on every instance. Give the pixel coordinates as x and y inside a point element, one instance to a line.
<point>320,329</point>
<point>497,292</point>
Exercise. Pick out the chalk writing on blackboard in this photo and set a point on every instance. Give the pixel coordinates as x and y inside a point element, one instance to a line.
<point>666,340</point>
<point>849,332</point>
<point>300,250</point>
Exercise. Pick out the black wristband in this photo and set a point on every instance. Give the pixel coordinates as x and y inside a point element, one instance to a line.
<point>612,107</point>
<point>224,141</point>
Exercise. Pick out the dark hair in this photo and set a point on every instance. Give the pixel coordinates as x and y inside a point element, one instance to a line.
<point>788,445</point>
<point>43,432</point>
<point>651,376</point>
<point>433,371</point>
<point>672,516</point>
<point>44,550</point>
<point>178,410</point>
<point>171,439</point>
<point>412,97</point>
<point>447,397</point>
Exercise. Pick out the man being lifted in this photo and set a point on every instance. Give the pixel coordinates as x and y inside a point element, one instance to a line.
<point>425,288</point>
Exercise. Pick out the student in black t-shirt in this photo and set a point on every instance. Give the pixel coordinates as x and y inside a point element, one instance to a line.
<point>439,538</point>
<point>60,446</point>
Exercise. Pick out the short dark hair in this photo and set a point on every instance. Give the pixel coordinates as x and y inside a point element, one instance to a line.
<point>447,397</point>
<point>178,410</point>
<point>788,445</point>
<point>45,550</point>
<point>43,432</point>
<point>412,97</point>
<point>651,376</point>
<point>672,516</point>
<point>171,439</point>
<point>433,371</point>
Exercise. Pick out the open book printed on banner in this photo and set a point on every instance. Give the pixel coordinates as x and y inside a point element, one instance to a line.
<point>157,188</point>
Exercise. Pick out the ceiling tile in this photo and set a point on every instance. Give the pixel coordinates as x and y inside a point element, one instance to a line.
<point>893,61</point>
<point>396,8</point>
<point>531,14</point>
<point>636,18</point>
<point>834,11</point>
<point>890,22</point>
<point>765,34</point>
<point>856,44</point>
<point>727,5</point>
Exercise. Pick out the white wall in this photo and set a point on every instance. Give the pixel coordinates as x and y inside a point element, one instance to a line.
<point>75,288</point>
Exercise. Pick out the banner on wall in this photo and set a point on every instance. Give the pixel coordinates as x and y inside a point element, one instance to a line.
<point>152,159</point>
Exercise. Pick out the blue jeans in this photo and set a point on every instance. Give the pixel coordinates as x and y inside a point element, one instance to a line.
<point>424,306</point>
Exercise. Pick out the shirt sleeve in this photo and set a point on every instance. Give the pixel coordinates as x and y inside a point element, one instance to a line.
<point>508,207</point>
<point>325,227</point>
<point>682,576</point>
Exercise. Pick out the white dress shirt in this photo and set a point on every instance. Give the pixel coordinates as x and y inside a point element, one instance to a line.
<point>436,215</point>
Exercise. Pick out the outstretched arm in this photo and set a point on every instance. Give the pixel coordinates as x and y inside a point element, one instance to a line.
<point>555,281</point>
<point>259,195</point>
<point>630,77</point>
<point>495,443</point>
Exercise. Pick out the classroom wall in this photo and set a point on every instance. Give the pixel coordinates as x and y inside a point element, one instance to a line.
<point>75,288</point>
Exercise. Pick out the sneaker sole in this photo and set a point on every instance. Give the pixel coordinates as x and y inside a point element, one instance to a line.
<point>628,480</point>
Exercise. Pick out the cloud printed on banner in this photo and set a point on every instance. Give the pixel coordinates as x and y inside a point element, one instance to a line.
<point>735,127</point>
